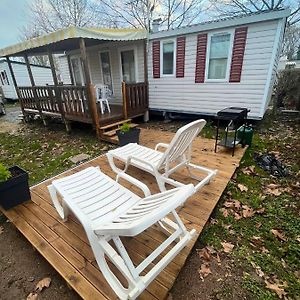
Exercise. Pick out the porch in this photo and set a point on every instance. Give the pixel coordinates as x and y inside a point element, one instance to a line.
<point>74,99</point>
<point>65,246</point>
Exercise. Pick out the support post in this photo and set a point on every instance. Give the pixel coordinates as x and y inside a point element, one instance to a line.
<point>15,85</point>
<point>90,88</point>
<point>70,70</point>
<point>33,89</point>
<point>124,97</point>
<point>58,97</point>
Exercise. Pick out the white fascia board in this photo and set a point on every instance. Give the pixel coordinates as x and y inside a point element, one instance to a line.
<point>236,21</point>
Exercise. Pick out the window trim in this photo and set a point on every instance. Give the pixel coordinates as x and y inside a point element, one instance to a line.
<point>162,42</point>
<point>81,71</point>
<point>230,50</point>
<point>112,80</point>
<point>135,53</point>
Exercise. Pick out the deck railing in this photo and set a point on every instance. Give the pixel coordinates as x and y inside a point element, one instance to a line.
<point>68,101</point>
<point>135,99</point>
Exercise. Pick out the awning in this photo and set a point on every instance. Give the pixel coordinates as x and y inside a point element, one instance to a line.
<point>61,37</point>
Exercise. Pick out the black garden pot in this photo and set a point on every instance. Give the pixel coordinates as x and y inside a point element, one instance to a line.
<point>131,136</point>
<point>15,190</point>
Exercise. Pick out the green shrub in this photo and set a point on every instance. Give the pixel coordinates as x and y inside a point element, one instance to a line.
<point>4,173</point>
<point>125,127</point>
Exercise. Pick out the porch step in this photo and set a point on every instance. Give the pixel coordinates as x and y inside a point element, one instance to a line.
<point>114,131</point>
<point>115,124</point>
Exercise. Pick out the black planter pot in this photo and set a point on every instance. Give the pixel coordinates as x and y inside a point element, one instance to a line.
<point>15,190</point>
<point>131,136</point>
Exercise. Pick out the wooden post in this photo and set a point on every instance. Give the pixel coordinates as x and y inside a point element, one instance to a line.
<point>15,85</point>
<point>33,89</point>
<point>70,70</point>
<point>57,92</point>
<point>124,97</point>
<point>90,88</point>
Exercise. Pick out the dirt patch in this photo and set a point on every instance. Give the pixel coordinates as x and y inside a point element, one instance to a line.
<point>22,267</point>
<point>9,127</point>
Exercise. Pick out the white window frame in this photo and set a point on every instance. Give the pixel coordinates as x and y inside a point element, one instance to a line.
<point>78,57</point>
<point>209,36</point>
<point>128,48</point>
<point>162,42</point>
<point>112,80</point>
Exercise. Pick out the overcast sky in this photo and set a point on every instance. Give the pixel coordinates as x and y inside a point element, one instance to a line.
<point>13,15</point>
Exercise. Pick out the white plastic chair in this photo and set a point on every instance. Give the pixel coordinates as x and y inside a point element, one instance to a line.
<point>102,95</point>
<point>108,211</point>
<point>163,164</point>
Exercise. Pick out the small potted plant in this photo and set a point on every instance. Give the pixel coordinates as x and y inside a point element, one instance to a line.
<point>14,187</point>
<point>127,135</point>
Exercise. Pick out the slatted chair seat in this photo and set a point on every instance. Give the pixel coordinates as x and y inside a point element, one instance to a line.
<point>108,211</point>
<point>177,154</point>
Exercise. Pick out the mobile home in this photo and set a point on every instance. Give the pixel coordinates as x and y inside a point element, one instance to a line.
<point>206,67</point>
<point>42,74</point>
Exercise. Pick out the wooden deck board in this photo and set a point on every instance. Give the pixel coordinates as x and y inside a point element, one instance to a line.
<point>65,245</point>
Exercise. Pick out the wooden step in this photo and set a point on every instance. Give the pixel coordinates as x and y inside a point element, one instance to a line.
<point>109,126</point>
<point>114,131</point>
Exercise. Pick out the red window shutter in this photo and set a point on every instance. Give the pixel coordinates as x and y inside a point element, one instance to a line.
<point>240,37</point>
<point>156,59</point>
<point>201,58</point>
<point>180,56</point>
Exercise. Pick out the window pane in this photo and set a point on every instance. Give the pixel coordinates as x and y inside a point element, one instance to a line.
<point>168,58</point>
<point>218,56</point>
<point>106,73</point>
<point>128,67</point>
<point>76,71</point>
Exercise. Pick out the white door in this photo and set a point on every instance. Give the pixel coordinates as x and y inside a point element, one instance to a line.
<point>128,66</point>
<point>106,69</point>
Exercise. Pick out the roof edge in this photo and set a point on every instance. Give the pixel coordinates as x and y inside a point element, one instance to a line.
<point>216,24</point>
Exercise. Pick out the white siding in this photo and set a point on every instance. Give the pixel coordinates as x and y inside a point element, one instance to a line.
<point>114,49</point>
<point>184,95</point>
<point>41,75</point>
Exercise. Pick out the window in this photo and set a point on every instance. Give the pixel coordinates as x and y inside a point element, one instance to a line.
<point>219,56</point>
<point>106,69</point>
<point>4,78</point>
<point>128,66</point>
<point>77,70</point>
<point>168,57</point>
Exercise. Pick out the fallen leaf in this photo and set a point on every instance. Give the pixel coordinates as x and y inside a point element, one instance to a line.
<point>227,247</point>
<point>204,270</point>
<point>228,204</point>
<point>204,253</point>
<point>277,288</point>
<point>273,189</point>
<point>258,270</point>
<point>224,212</point>
<point>264,249</point>
<point>260,210</point>
<point>279,235</point>
<point>249,170</point>
<point>237,216</point>
<point>32,296</point>
<point>237,204</point>
<point>218,259</point>
<point>248,212</point>
<point>44,283</point>
<point>1,229</point>
<point>256,240</point>
<point>242,187</point>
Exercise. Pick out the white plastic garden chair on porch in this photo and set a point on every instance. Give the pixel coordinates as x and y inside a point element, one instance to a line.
<point>102,95</point>
<point>108,211</point>
<point>163,164</point>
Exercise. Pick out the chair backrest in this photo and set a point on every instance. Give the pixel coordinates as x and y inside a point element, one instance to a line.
<point>182,142</point>
<point>102,91</point>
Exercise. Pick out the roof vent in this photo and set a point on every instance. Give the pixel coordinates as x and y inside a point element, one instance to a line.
<point>155,25</point>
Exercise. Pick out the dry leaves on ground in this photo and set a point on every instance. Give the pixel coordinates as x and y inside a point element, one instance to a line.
<point>227,247</point>
<point>248,212</point>
<point>32,296</point>
<point>204,270</point>
<point>278,234</point>
<point>1,229</point>
<point>225,212</point>
<point>242,187</point>
<point>44,283</point>
<point>249,170</point>
<point>273,189</point>
<point>277,288</point>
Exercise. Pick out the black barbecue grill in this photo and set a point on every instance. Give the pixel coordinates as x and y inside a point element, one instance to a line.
<point>235,118</point>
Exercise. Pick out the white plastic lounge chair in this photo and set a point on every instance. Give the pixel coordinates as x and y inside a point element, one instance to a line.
<point>163,164</point>
<point>108,211</point>
<point>102,95</point>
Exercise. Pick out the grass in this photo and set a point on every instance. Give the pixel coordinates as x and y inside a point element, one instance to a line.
<point>278,259</point>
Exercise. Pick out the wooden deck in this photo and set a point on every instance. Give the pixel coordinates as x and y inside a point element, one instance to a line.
<point>65,245</point>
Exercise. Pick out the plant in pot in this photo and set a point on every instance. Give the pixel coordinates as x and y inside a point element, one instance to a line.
<point>14,187</point>
<point>127,135</point>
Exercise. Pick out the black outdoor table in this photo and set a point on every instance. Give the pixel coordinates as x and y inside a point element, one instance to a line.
<point>235,115</point>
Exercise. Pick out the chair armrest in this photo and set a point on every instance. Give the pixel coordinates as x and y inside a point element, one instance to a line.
<point>134,181</point>
<point>163,145</point>
<point>133,158</point>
